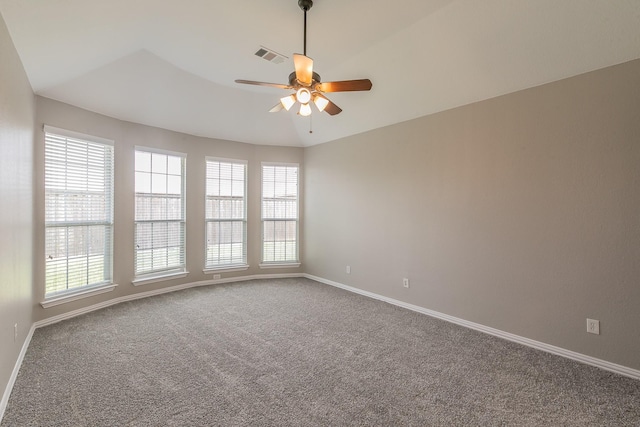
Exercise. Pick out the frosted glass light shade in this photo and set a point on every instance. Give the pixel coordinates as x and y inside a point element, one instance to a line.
<point>303,95</point>
<point>305,110</point>
<point>288,101</point>
<point>320,102</point>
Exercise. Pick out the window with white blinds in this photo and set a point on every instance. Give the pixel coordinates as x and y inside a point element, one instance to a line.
<point>78,182</point>
<point>159,213</point>
<point>279,213</point>
<point>226,213</point>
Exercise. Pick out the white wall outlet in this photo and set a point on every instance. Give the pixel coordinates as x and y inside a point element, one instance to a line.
<point>348,269</point>
<point>405,282</point>
<point>15,332</point>
<point>593,326</point>
<point>216,276</point>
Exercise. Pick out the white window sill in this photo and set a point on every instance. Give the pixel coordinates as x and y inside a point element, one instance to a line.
<point>80,294</point>
<point>226,269</point>
<point>280,265</point>
<point>154,278</point>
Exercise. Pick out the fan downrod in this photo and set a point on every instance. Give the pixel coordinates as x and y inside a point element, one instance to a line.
<point>305,4</point>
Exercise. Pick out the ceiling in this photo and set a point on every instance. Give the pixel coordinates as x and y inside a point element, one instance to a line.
<point>172,64</point>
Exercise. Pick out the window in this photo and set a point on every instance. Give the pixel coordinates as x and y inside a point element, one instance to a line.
<point>226,214</point>
<point>160,213</point>
<point>78,183</point>
<point>279,213</point>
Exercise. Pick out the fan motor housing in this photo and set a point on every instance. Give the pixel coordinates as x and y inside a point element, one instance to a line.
<point>293,81</point>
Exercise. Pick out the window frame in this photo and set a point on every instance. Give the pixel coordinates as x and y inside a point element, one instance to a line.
<point>263,219</point>
<point>233,266</point>
<point>108,181</point>
<point>173,272</point>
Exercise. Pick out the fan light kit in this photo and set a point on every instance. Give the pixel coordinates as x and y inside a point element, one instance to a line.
<point>307,85</point>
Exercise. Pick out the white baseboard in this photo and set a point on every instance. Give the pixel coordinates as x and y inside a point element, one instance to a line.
<point>579,357</point>
<point>14,374</point>
<point>603,364</point>
<point>94,307</point>
<point>139,295</point>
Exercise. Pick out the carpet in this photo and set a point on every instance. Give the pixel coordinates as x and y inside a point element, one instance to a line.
<point>294,352</point>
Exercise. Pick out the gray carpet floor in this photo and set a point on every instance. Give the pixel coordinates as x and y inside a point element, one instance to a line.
<point>298,353</point>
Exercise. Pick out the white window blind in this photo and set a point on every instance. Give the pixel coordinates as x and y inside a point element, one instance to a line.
<point>279,213</point>
<point>78,179</point>
<point>160,213</point>
<point>226,213</point>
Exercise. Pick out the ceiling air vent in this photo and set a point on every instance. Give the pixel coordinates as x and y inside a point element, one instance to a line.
<point>270,55</point>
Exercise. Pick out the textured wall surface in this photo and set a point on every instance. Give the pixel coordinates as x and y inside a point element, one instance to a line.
<point>17,112</point>
<point>521,213</point>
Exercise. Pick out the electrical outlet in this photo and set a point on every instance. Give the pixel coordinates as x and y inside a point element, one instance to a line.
<point>348,269</point>
<point>405,282</point>
<point>15,332</point>
<point>593,326</point>
<point>216,276</point>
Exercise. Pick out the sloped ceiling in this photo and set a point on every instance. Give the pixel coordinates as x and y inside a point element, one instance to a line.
<point>172,64</point>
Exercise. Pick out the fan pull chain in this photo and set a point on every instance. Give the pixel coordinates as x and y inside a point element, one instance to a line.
<point>310,123</point>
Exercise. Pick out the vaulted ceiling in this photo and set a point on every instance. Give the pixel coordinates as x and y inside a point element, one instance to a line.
<point>172,64</point>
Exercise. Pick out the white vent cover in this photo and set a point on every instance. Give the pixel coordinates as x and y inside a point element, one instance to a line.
<point>270,55</point>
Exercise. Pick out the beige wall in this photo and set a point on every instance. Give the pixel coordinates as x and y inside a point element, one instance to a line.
<point>521,213</point>
<point>16,213</point>
<point>127,136</point>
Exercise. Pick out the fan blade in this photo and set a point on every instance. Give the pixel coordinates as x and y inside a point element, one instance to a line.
<point>345,86</point>
<point>277,107</point>
<point>251,82</point>
<point>304,68</point>
<point>331,108</point>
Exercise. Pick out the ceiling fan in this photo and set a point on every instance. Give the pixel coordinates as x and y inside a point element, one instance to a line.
<point>307,84</point>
